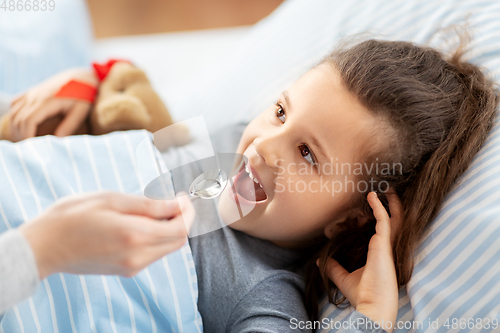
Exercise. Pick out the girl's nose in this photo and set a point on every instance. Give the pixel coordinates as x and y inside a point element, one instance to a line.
<point>267,147</point>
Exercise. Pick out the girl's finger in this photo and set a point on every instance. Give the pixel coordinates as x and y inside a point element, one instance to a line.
<point>338,275</point>
<point>17,98</point>
<point>73,119</point>
<point>23,120</point>
<point>31,99</point>
<point>336,272</point>
<point>19,114</point>
<point>395,205</point>
<point>383,227</point>
<point>396,208</point>
<point>43,112</point>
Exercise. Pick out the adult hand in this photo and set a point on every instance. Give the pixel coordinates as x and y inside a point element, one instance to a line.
<point>107,233</point>
<point>373,289</point>
<point>38,104</point>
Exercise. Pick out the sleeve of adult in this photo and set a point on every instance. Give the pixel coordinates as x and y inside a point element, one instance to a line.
<point>274,305</point>
<point>18,269</point>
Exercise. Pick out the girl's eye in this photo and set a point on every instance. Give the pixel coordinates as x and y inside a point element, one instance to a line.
<point>308,155</point>
<point>280,112</point>
<point>304,149</point>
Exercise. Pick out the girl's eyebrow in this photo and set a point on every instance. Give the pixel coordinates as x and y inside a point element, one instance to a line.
<point>287,98</point>
<point>315,142</point>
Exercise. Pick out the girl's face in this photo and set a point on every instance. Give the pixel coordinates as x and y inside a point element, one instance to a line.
<point>295,150</point>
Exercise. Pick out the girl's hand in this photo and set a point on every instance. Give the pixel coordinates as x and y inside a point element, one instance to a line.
<point>107,233</point>
<point>373,289</point>
<point>38,104</point>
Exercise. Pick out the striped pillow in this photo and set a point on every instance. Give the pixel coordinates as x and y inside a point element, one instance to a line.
<point>33,174</point>
<point>457,274</point>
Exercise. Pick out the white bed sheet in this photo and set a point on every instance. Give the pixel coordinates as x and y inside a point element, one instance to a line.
<point>171,58</point>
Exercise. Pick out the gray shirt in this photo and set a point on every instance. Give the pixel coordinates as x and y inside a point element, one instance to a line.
<point>246,284</point>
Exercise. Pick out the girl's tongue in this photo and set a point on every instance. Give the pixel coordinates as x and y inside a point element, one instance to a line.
<point>250,190</point>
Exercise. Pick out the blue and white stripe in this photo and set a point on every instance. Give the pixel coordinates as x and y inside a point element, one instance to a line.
<point>35,173</point>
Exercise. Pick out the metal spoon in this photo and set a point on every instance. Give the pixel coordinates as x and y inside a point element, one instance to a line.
<point>208,185</point>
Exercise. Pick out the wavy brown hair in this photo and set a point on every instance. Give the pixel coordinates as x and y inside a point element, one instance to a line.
<point>439,111</point>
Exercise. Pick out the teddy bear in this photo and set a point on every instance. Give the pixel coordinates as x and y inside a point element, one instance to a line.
<point>125,100</point>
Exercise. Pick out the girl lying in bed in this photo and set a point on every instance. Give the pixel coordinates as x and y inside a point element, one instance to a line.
<point>380,116</point>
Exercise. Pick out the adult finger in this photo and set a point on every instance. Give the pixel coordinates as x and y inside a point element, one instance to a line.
<point>155,232</point>
<point>187,209</point>
<point>176,227</point>
<point>138,205</point>
<point>149,254</point>
<point>73,119</point>
<point>164,248</point>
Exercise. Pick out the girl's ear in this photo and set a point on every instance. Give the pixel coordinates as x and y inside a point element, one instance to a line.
<point>344,223</point>
<point>330,230</point>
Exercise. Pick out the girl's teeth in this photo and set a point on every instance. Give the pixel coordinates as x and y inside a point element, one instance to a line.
<point>247,169</point>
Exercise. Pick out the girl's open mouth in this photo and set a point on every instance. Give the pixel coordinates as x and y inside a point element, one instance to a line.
<point>248,186</point>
